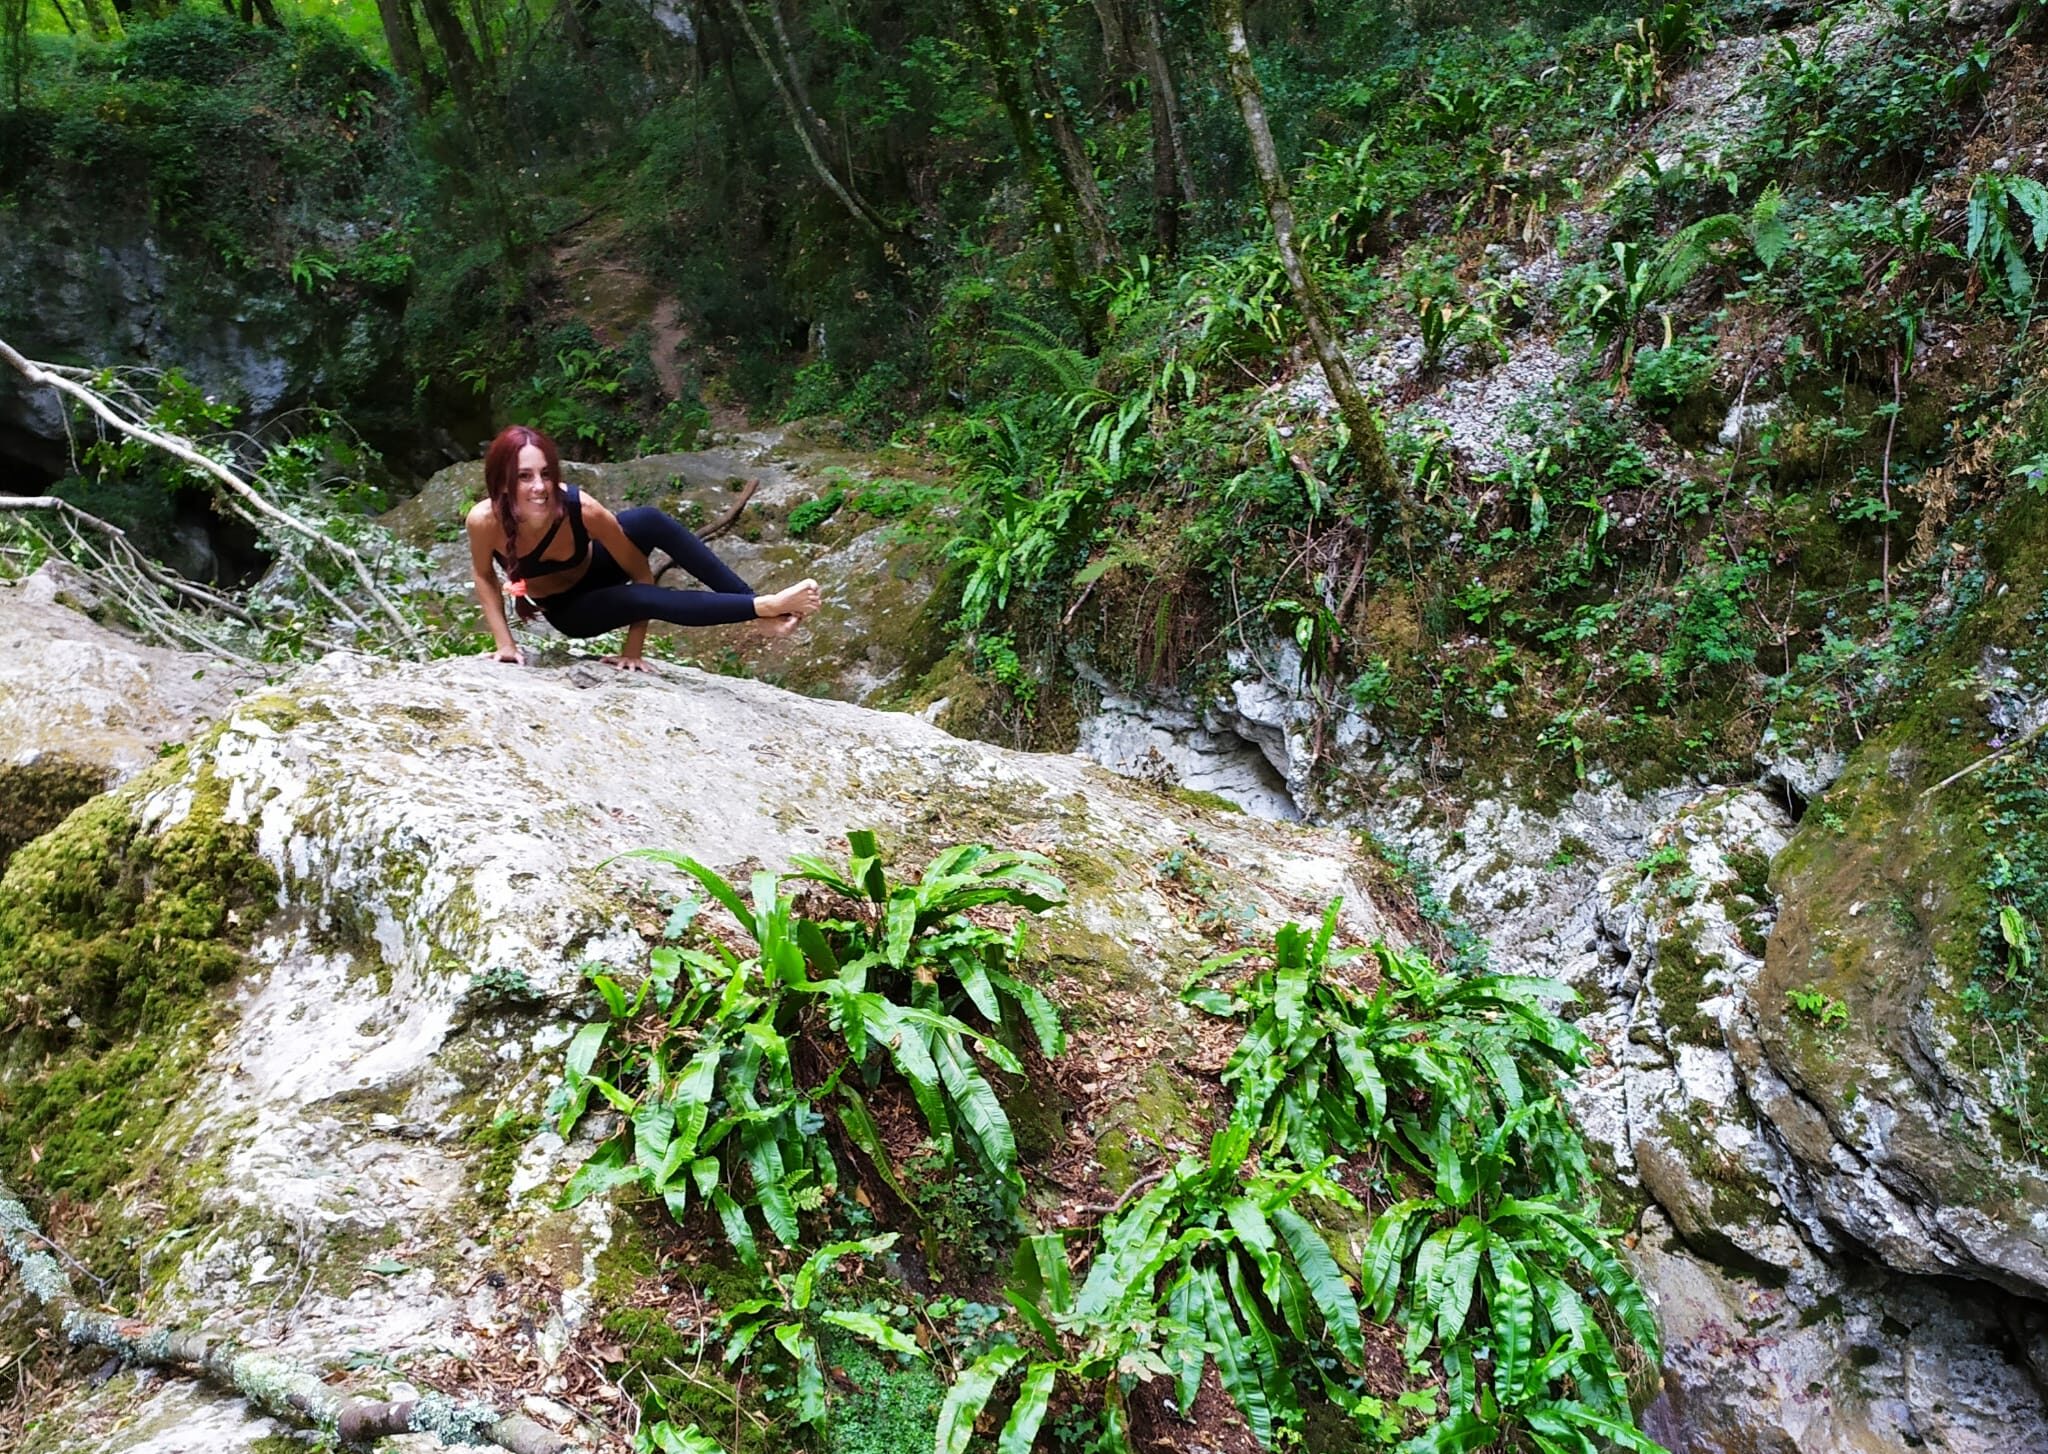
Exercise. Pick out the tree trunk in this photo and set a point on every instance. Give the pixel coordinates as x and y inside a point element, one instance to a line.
<point>1115,21</point>
<point>403,41</point>
<point>1165,99</point>
<point>268,12</point>
<point>101,20</point>
<point>487,56</point>
<point>1368,450</point>
<point>1054,209</point>
<point>457,55</point>
<point>820,133</point>
<point>1078,169</point>
<point>804,134</point>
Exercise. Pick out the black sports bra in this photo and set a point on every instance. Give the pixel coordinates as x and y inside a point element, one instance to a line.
<point>526,567</point>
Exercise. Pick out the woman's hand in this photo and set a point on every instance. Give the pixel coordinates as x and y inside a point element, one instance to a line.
<point>631,661</point>
<point>510,654</point>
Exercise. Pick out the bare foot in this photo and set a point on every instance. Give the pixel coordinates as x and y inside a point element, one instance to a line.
<point>779,625</point>
<point>799,600</point>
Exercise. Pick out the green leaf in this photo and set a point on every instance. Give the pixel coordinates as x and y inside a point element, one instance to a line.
<point>1044,1018</point>
<point>872,1328</point>
<point>902,925</point>
<point>1460,1273</point>
<point>860,1126</point>
<point>1183,1352</point>
<point>1326,1285</point>
<point>1020,1432</point>
<point>1237,1360</point>
<point>1463,1433</point>
<point>606,1170</point>
<point>1267,1362</point>
<point>1386,1249</point>
<point>806,1279</point>
<point>388,1267</point>
<point>737,1232</point>
<point>1571,1413</point>
<point>974,979</point>
<point>1511,1303</point>
<point>975,1101</point>
<point>810,1377</point>
<point>969,1396</point>
<point>714,885</point>
<point>692,1098</point>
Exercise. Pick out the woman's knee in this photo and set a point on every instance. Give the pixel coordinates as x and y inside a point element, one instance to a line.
<point>650,528</point>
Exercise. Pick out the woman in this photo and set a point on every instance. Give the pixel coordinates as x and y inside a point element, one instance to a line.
<point>571,560</point>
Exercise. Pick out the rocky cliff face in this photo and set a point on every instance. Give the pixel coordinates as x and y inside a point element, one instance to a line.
<point>387,881</point>
<point>1838,1213</point>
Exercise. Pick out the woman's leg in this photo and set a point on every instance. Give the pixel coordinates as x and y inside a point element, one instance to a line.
<point>651,529</point>
<point>581,613</point>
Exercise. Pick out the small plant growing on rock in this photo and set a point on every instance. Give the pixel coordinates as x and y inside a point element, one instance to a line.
<point>1818,1006</point>
<point>720,1072</point>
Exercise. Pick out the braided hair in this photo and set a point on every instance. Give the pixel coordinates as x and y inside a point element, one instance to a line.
<point>501,484</point>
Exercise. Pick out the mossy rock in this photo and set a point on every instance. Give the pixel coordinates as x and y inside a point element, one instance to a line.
<point>36,796</point>
<point>1886,908</point>
<point>108,927</point>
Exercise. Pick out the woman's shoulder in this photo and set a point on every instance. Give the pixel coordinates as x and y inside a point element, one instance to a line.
<point>483,518</point>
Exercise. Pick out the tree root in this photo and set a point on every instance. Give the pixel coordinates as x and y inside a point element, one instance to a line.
<point>725,522</point>
<point>277,1386</point>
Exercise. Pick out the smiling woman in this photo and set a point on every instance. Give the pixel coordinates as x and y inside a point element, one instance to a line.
<point>593,577</point>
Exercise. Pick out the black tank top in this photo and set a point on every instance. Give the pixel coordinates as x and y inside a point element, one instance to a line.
<point>526,567</point>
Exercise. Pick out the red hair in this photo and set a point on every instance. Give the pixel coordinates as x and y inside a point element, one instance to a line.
<point>501,483</point>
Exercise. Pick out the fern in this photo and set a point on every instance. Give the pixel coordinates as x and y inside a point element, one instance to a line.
<point>1999,252</point>
<point>701,1068</point>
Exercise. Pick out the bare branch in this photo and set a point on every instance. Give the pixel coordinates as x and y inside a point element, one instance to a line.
<point>62,380</point>
<point>277,1386</point>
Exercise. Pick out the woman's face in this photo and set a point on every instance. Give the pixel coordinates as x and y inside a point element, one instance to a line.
<point>535,492</point>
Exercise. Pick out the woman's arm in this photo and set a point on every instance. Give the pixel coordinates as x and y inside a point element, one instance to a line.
<point>604,529</point>
<point>483,570</point>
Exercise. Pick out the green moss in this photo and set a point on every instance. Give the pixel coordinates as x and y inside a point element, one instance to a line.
<point>1211,802</point>
<point>111,936</point>
<point>879,1406</point>
<point>1683,981</point>
<point>500,1144</point>
<point>1161,1113</point>
<point>36,797</point>
<point>119,928</point>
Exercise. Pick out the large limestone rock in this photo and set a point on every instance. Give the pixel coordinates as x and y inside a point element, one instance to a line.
<point>324,1174</point>
<point>83,708</point>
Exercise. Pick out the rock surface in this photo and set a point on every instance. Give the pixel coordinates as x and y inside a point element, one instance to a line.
<point>1784,1256</point>
<point>83,708</point>
<point>442,837</point>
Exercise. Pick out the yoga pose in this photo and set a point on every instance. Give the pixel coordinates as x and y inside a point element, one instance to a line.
<point>592,576</point>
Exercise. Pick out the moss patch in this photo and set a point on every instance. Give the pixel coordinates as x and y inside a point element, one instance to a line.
<point>1683,981</point>
<point>500,1144</point>
<point>120,929</point>
<point>110,937</point>
<point>37,796</point>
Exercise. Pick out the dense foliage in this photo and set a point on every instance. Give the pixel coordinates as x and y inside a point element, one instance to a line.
<point>748,1080</point>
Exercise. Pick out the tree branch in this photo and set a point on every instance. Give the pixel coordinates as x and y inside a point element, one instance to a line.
<point>42,376</point>
<point>275,1385</point>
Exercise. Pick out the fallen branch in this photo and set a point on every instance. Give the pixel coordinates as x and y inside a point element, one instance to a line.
<point>45,376</point>
<point>724,522</point>
<point>127,572</point>
<point>1990,757</point>
<point>277,1386</point>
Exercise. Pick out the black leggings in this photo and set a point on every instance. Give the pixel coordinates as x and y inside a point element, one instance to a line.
<point>607,598</point>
